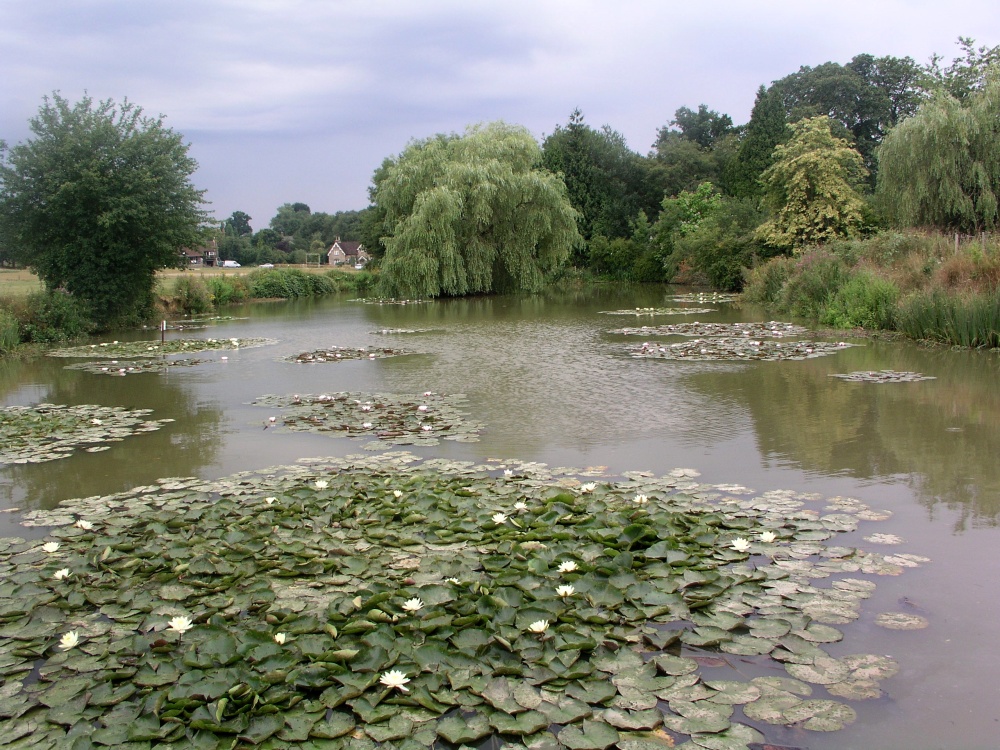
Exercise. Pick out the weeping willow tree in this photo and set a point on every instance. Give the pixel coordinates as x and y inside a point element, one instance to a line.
<point>812,187</point>
<point>941,167</point>
<point>473,213</point>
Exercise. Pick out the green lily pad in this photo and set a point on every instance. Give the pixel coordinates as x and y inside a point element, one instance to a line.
<point>590,735</point>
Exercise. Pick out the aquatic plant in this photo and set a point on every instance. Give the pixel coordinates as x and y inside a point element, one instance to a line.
<point>202,616</point>
<point>128,349</point>
<point>744,349</point>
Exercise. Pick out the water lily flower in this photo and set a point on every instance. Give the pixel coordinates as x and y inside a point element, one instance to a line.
<point>321,484</point>
<point>520,505</point>
<point>84,524</point>
<point>422,407</point>
<point>567,567</point>
<point>508,472</point>
<point>565,590</point>
<point>640,499</point>
<point>453,580</point>
<point>180,624</point>
<point>413,605</point>
<point>69,640</point>
<point>768,536</point>
<point>366,425</point>
<point>271,420</point>
<point>50,547</point>
<point>365,407</point>
<point>270,500</point>
<point>395,679</point>
<point>588,487</point>
<point>397,493</point>
<point>97,422</point>
<point>740,544</point>
<point>428,393</point>
<point>280,638</point>
<point>426,427</point>
<point>539,626</point>
<point>60,574</point>
<point>499,518</point>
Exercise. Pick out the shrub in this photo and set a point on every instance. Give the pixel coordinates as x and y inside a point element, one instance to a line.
<point>817,276</point>
<point>10,335</point>
<point>192,295</point>
<point>764,283</point>
<point>227,290</point>
<point>53,317</point>
<point>864,301</point>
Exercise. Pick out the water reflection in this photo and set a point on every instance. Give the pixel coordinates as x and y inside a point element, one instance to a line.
<point>939,435</point>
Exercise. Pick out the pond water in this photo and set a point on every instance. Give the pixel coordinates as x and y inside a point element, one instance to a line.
<point>550,383</point>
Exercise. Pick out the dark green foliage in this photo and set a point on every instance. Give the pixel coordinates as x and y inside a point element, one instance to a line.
<point>97,201</point>
<point>704,127</point>
<point>287,283</point>
<point>864,301</point>
<point>966,74</point>
<point>723,245</point>
<point>191,295</point>
<point>816,278</point>
<point>765,282</point>
<point>10,335</point>
<point>53,317</point>
<point>614,258</point>
<point>227,290</point>
<point>765,130</point>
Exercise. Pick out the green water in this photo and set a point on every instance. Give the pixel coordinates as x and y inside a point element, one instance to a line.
<point>551,384</point>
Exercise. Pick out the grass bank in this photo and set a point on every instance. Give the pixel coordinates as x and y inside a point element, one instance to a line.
<point>924,285</point>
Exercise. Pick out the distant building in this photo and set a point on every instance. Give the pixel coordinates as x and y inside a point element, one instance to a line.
<point>207,255</point>
<point>343,252</point>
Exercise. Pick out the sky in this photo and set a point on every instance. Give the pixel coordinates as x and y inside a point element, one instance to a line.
<point>286,101</point>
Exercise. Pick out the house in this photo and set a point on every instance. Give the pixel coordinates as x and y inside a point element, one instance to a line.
<point>343,252</point>
<point>207,255</point>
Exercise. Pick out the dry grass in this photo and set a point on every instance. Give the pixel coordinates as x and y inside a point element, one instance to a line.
<point>18,283</point>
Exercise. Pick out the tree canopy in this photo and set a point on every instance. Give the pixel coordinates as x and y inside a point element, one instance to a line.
<point>812,188</point>
<point>472,213</point>
<point>941,167</point>
<point>97,200</point>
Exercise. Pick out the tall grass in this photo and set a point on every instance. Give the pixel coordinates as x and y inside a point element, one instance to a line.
<point>971,320</point>
<point>10,335</point>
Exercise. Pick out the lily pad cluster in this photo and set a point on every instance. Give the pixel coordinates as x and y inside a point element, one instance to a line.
<point>33,434</point>
<point>354,602</point>
<point>344,353</point>
<point>772,329</point>
<point>392,331</point>
<point>388,419</point>
<point>660,311</point>
<point>128,349</point>
<point>882,376</point>
<point>133,367</point>
<point>737,349</point>
<point>389,301</point>
<point>706,297</point>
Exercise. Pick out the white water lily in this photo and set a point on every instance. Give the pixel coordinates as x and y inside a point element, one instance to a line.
<point>395,679</point>
<point>366,407</point>
<point>588,487</point>
<point>422,407</point>
<point>565,590</point>
<point>428,393</point>
<point>270,500</point>
<point>69,640</point>
<point>740,544</point>
<point>180,624</point>
<point>50,547</point>
<point>280,638</point>
<point>567,567</point>
<point>426,427</point>
<point>413,605</point>
<point>499,518</point>
<point>539,626</point>
<point>366,425</point>
<point>520,505</point>
<point>96,422</point>
<point>768,536</point>
<point>84,524</point>
<point>321,484</point>
<point>61,574</point>
<point>508,472</point>
<point>640,499</point>
<point>453,580</point>
<point>397,493</point>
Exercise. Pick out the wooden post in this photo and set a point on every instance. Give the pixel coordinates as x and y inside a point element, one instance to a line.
<point>163,332</point>
<point>956,243</point>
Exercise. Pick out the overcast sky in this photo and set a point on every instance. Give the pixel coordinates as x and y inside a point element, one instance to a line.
<point>300,100</point>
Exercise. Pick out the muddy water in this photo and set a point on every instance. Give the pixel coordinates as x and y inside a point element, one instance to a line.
<point>552,384</point>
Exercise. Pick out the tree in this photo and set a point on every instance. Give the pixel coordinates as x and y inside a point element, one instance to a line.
<point>966,74</point>
<point>704,127</point>
<point>289,218</point>
<point>724,244</point>
<point>97,201</point>
<point>238,224</point>
<point>941,167</point>
<point>471,213</point>
<point>813,188</point>
<point>766,129</point>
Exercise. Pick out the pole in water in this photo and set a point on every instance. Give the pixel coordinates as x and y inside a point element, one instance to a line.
<point>163,332</point>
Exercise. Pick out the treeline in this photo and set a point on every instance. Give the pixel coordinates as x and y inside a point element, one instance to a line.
<point>295,234</point>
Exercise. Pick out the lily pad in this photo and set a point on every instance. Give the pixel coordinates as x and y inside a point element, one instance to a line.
<point>737,350</point>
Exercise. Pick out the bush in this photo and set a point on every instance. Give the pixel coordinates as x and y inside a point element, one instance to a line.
<point>53,317</point>
<point>764,283</point>
<point>10,334</point>
<point>865,301</point>
<point>817,276</point>
<point>192,295</point>
<point>288,283</point>
<point>226,290</point>
<point>724,245</point>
